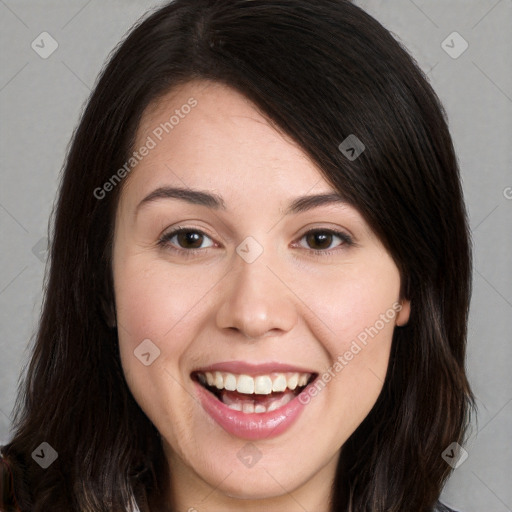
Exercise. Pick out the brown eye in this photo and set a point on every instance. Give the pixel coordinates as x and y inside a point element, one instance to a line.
<point>322,241</point>
<point>319,239</point>
<point>189,239</point>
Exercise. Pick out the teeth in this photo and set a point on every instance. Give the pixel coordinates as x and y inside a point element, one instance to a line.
<point>293,381</point>
<point>279,383</point>
<point>279,403</point>
<point>263,385</point>
<point>260,385</point>
<point>250,407</point>
<point>230,382</point>
<point>303,379</point>
<point>273,406</point>
<point>245,384</point>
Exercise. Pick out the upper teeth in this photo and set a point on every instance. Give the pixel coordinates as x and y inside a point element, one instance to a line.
<point>260,385</point>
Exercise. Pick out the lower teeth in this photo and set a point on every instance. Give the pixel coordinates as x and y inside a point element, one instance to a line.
<point>252,406</point>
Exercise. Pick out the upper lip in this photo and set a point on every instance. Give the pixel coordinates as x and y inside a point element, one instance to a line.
<point>252,369</point>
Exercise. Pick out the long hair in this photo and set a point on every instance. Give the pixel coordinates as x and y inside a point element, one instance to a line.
<point>319,72</point>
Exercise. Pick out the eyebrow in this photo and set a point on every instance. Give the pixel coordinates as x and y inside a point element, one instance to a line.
<point>215,202</point>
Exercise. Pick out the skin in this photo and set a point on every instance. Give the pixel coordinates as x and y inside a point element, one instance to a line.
<point>288,305</point>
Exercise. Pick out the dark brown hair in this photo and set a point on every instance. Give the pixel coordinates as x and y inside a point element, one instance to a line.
<point>319,71</point>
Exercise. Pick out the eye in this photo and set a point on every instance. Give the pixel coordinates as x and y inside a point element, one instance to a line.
<point>321,241</point>
<point>189,240</point>
<point>185,239</point>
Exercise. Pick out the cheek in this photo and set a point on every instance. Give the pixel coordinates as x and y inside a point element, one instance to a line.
<point>155,316</point>
<point>357,302</point>
<point>356,313</point>
<point>155,301</point>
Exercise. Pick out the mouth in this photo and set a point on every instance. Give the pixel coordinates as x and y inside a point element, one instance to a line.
<point>254,394</point>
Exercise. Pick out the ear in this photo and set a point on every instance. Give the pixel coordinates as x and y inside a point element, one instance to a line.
<point>402,316</point>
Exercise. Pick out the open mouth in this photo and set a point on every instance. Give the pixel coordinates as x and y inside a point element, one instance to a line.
<point>254,394</point>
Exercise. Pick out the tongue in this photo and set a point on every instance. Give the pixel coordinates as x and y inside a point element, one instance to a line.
<point>230,397</point>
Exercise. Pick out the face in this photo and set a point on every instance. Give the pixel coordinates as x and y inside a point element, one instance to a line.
<point>254,328</point>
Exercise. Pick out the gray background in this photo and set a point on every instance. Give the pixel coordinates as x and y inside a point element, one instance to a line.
<point>41,99</point>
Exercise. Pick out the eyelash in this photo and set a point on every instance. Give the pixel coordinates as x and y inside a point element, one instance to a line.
<point>164,241</point>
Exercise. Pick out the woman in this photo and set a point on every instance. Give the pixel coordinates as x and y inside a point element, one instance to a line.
<point>260,276</point>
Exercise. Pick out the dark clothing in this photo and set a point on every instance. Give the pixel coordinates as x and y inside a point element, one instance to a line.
<point>442,508</point>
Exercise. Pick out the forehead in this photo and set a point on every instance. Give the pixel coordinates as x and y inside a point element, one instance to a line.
<point>208,135</point>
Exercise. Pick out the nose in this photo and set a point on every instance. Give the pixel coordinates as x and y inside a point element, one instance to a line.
<point>257,301</point>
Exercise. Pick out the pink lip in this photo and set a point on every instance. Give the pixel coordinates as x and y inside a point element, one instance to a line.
<point>246,425</point>
<point>252,369</point>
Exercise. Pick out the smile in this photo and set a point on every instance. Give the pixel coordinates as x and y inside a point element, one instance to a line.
<point>260,394</point>
<point>255,405</point>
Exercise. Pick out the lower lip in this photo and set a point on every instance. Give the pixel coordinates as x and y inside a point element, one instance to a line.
<point>265,425</point>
